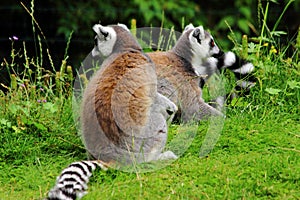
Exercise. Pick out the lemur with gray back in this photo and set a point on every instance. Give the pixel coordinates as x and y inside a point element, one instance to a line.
<point>223,60</point>
<point>189,64</point>
<point>123,118</point>
<point>242,69</point>
<point>179,72</point>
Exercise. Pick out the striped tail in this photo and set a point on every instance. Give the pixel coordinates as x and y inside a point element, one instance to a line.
<point>73,180</point>
<point>241,68</point>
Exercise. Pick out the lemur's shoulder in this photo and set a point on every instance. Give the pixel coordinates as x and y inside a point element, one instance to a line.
<point>168,63</point>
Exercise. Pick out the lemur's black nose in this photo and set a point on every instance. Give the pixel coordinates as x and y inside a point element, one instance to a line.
<point>218,55</point>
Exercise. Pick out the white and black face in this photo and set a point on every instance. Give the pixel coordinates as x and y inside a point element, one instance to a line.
<point>105,39</point>
<point>202,43</point>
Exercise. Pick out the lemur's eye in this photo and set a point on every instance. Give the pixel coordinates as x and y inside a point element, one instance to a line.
<point>212,43</point>
<point>95,41</point>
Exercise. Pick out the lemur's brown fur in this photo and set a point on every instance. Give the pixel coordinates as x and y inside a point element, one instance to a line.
<point>181,86</point>
<point>179,71</point>
<point>139,102</point>
<point>122,112</point>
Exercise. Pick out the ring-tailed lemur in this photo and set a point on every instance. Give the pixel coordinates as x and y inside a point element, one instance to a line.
<point>194,58</point>
<point>241,68</point>
<point>179,72</point>
<point>123,118</point>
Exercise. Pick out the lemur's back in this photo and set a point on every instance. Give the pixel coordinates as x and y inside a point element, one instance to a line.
<point>177,81</point>
<point>117,103</point>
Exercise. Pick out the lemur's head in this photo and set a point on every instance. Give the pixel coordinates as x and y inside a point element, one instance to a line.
<point>202,43</point>
<point>112,39</point>
<point>195,46</point>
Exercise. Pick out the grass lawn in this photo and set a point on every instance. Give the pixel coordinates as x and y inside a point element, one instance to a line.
<point>255,157</point>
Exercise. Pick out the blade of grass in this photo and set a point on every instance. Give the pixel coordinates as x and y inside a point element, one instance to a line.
<point>281,15</point>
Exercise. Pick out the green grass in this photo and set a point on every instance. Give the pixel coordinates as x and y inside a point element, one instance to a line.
<point>253,159</point>
<point>256,157</point>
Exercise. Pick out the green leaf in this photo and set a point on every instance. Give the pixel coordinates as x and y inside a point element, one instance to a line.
<point>246,11</point>
<point>13,108</point>
<point>243,25</point>
<point>274,1</point>
<point>39,126</point>
<point>26,120</point>
<point>16,129</point>
<point>16,109</point>
<point>293,84</point>
<point>278,33</point>
<point>239,102</point>
<point>252,47</point>
<point>222,24</point>
<point>5,122</point>
<point>273,90</point>
<point>50,106</point>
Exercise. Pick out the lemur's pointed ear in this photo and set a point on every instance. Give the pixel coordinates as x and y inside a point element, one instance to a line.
<point>202,32</point>
<point>196,33</point>
<point>188,27</point>
<point>199,33</point>
<point>123,26</point>
<point>100,30</point>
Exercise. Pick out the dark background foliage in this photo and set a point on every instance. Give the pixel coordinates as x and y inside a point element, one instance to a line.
<point>58,19</point>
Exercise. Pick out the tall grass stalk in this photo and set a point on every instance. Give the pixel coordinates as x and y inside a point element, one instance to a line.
<point>281,15</point>
<point>265,14</point>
